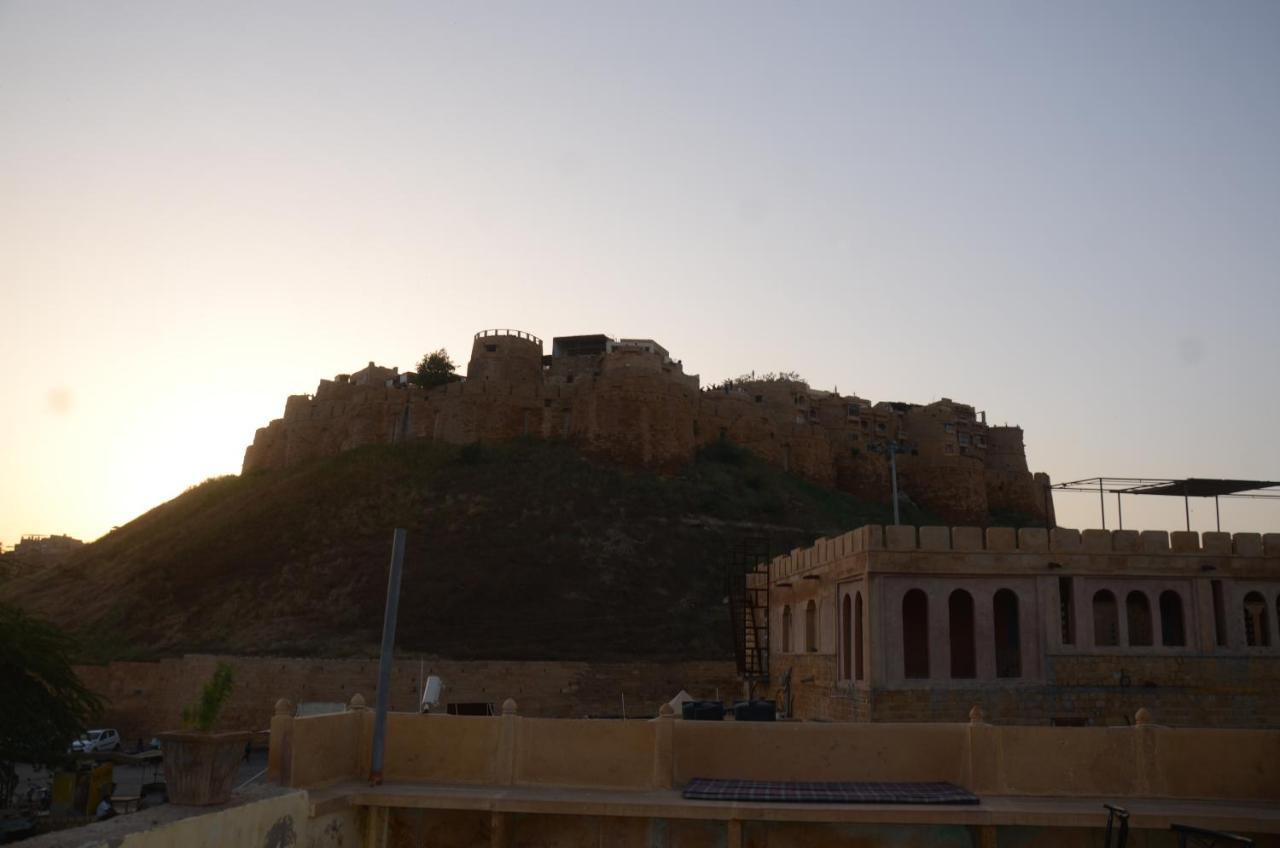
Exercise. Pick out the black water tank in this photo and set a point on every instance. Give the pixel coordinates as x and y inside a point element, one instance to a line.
<point>755,711</point>
<point>702,711</point>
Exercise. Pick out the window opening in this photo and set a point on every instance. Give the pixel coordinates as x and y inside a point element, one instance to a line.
<point>1257,630</point>
<point>857,636</point>
<point>1106,619</point>
<point>1219,614</point>
<point>1138,613</point>
<point>915,634</point>
<point>1008,635</point>
<point>1067,610</point>
<point>846,638</point>
<point>960,619</point>
<point>1172,628</point>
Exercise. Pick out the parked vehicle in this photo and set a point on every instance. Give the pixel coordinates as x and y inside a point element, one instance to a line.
<point>94,741</point>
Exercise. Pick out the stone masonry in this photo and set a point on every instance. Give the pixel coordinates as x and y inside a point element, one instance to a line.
<point>629,401</point>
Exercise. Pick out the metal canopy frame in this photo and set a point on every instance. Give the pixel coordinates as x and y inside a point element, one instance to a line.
<point>1185,488</point>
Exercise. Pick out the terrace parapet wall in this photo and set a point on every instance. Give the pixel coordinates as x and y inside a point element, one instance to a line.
<point>665,752</point>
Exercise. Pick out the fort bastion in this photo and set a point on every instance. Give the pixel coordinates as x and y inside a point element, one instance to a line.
<point>627,400</point>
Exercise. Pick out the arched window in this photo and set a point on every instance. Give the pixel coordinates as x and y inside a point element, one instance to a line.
<point>1138,613</point>
<point>1008,634</point>
<point>811,627</point>
<point>915,634</point>
<point>846,637</point>
<point>1173,630</point>
<point>857,636</point>
<point>960,620</point>
<point>1106,619</point>
<point>786,630</point>
<point>1257,630</point>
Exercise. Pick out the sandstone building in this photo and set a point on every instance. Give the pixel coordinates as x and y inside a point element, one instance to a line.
<point>1063,627</point>
<point>628,400</point>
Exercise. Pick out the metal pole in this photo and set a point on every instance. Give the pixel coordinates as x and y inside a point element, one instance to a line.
<point>893,467</point>
<point>1186,504</point>
<point>1119,511</point>
<point>1217,516</point>
<point>1102,504</point>
<point>388,650</point>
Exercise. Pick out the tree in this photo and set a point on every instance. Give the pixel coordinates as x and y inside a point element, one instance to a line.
<point>436,369</point>
<point>43,705</point>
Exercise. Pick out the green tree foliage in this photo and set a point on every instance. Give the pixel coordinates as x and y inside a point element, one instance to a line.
<point>43,705</point>
<point>436,369</point>
<point>203,714</point>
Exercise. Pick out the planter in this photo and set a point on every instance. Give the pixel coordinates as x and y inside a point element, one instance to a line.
<point>200,768</point>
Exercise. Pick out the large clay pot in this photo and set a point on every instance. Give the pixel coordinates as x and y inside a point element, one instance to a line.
<point>200,768</point>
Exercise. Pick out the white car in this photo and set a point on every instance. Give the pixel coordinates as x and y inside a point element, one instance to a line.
<point>96,740</point>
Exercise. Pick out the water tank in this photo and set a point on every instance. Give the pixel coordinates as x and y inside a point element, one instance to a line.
<point>431,693</point>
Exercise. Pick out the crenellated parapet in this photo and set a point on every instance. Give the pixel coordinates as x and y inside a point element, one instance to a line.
<point>1024,540</point>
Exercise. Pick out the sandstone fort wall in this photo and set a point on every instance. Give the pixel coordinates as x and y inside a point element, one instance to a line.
<point>145,698</point>
<point>631,403</point>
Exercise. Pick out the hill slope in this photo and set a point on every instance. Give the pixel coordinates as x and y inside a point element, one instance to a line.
<point>523,550</point>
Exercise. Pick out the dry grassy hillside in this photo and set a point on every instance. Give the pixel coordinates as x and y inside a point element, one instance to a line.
<point>524,550</point>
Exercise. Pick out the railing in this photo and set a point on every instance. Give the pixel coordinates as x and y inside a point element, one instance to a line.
<point>519,334</point>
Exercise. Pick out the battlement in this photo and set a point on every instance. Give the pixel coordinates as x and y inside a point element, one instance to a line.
<point>1025,540</point>
<point>519,334</point>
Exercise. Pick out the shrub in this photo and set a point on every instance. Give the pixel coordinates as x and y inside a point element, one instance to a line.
<point>203,714</point>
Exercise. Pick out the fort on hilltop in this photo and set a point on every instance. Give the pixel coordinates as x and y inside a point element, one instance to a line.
<point>629,401</point>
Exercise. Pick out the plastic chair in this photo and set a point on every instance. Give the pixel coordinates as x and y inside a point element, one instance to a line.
<point>1121,815</point>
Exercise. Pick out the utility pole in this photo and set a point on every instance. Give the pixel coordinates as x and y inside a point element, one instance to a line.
<point>388,652</point>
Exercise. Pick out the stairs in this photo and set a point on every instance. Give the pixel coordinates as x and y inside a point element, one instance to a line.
<point>747,582</point>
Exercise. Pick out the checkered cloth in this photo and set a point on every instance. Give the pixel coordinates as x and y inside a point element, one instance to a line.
<point>703,789</point>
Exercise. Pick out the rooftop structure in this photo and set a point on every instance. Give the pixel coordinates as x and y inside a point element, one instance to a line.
<point>1054,627</point>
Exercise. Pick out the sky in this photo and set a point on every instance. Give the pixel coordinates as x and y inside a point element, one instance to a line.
<point>1066,214</point>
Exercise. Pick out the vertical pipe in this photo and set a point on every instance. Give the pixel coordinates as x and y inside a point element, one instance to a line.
<point>388,650</point>
<point>1102,504</point>
<point>1186,504</point>
<point>1119,511</point>
<point>893,470</point>
<point>1217,516</point>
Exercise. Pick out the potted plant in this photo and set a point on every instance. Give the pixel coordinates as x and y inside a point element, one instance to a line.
<point>200,765</point>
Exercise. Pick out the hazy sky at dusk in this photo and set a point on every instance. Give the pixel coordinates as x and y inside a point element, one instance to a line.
<point>1067,214</point>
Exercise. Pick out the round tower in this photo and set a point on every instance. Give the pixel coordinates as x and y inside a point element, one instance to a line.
<point>513,357</point>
